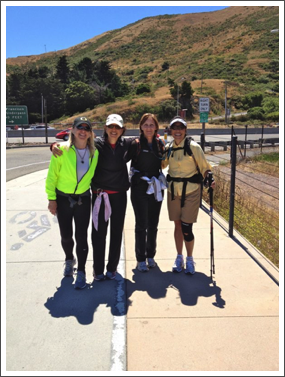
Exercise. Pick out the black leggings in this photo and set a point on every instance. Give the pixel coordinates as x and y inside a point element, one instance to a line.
<point>147,211</point>
<point>118,203</point>
<point>81,216</point>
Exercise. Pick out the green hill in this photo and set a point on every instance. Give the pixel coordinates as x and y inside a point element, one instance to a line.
<point>206,49</point>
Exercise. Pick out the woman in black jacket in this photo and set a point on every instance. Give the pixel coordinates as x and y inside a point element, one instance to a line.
<point>109,186</point>
<point>147,184</point>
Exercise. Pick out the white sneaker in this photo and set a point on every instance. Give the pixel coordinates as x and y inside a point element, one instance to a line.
<point>178,264</point>
<point>142,267</point>
<point>190,266</point>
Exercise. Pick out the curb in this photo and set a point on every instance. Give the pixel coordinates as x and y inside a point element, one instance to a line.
<point>28,146</point>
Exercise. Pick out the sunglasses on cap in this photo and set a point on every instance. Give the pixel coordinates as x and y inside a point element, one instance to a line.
<point>83,127</point>
<point>112,126</point>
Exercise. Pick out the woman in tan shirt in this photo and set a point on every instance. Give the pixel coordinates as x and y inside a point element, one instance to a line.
<point>187,169</point>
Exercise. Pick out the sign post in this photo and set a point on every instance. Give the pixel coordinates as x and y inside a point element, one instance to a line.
<point>204,108</point>
<point>17,114</point>
<point>203,117</point>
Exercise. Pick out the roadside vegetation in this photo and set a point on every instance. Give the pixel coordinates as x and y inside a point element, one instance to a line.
<point>256,212</point>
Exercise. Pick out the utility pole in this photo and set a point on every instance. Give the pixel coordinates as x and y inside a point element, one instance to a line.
<point>202,81</point>
<point>45,106</point>
<point>182,78</point>
<point>226,111</point>
<point>177,97</point>
<point>42,108</point>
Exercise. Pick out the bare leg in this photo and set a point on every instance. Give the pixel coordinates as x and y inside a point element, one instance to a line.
<point>178,237</point>
<point>189,248</point>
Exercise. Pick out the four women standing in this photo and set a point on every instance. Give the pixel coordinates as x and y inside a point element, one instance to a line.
<point>111,182</point>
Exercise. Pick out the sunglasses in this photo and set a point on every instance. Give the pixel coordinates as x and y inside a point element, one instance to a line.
<point>82,127</point>
<point>112,126</point>
<point>177,127</point>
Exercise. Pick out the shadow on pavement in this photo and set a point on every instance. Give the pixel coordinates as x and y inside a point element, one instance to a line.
<point>82,304</point>
<point>190,287</point>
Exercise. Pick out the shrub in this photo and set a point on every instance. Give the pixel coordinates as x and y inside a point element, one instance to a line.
<point>270,105</point>
<point>143,88</point>
<point>166,110</point>
<point>273,116</point>
<point>252,100</point>
<point>165,66</point>
<point>256,113</point>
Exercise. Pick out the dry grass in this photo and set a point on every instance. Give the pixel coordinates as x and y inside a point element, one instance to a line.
<point>256,207</point>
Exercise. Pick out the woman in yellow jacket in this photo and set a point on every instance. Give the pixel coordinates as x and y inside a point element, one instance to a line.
<point>68,189</point>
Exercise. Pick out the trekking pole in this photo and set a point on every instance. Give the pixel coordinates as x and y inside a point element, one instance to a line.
<point>210,191</point>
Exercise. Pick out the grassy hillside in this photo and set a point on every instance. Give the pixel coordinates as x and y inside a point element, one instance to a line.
<point>234,45</point>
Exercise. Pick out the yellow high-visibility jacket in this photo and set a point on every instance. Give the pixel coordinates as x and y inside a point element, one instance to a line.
<point>62,174</point>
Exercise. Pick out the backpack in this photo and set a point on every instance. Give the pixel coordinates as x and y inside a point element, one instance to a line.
<point>187,149</point>
<point>160,147</point>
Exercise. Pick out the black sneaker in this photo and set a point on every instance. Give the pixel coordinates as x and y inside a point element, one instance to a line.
<point>69,267</point>
<point>80,282</point>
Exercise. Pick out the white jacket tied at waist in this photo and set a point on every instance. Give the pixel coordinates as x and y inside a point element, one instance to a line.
<point>155,185</point>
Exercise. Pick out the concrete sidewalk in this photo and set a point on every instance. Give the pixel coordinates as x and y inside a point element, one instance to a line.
<point>155,321</point>
<point>177,322</point>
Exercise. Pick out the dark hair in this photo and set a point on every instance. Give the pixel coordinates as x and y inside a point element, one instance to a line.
<point>144,118</point>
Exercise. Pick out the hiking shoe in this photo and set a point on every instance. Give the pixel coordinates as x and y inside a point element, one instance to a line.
<point>190,266</point>
<point>178,264</point>
<point>142,267</point>
<point>110,275</point>
<point>151,263</point>
<point>100,277</point>
<point>69,267</point>
<point>80,282</point>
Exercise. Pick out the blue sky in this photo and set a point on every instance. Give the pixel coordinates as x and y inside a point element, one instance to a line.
<point>33,30</point>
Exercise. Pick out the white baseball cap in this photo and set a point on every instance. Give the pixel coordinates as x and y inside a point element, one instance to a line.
<point>178,119</point>
<point>115,119</point>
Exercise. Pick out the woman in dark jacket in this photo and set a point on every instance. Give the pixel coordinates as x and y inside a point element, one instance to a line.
<point>147,184</point>
<point>109,186</point>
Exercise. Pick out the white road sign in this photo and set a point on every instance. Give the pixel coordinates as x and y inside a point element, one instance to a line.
<point>204,105</point>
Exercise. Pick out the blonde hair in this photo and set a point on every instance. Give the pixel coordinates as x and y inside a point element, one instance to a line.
<point>90,142</point>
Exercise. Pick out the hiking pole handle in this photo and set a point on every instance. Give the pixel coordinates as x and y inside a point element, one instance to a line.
<point>210,189</point>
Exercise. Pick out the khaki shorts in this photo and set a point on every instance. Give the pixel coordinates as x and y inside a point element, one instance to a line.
<point>189,212</point>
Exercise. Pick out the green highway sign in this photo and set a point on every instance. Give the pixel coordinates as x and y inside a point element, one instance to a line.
<point>16,114</point>
<point>204,117</point>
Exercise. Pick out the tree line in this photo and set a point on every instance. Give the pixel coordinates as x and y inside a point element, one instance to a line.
<point>66,90</point>
<point>70,90</point>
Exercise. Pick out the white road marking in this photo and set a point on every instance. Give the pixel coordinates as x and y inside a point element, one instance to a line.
<point>118,347</point>
<point>23,166</point>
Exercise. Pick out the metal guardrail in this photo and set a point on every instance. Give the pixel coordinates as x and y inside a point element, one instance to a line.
<point>258,143</point>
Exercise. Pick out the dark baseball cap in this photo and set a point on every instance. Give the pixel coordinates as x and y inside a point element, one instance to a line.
<point>81,120</point>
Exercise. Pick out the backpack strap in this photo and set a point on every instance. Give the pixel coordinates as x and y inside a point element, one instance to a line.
<point>186,148</point>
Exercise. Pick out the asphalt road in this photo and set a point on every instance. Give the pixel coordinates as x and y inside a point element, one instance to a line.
<point>196,136</point>
<point>22,161</point>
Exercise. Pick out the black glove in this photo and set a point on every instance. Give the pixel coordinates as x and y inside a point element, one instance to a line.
<point>208,178</point>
